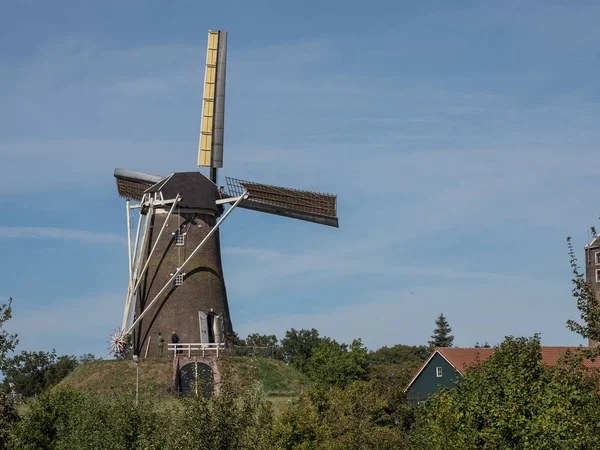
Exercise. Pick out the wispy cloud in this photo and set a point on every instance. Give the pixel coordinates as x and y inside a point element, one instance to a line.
<point>66,234</point>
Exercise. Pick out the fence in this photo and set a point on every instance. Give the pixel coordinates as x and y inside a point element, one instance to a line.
<point>189,348</point>
<point>220,349</point>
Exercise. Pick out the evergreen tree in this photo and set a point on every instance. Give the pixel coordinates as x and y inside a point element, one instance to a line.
<point>441,336</point>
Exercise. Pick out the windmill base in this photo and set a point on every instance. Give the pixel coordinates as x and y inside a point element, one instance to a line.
<point>197,375</point>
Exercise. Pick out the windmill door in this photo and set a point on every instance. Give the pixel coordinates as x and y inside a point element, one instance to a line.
<point>203,327</point>
<point>196,379</point>
<point>222,328</point>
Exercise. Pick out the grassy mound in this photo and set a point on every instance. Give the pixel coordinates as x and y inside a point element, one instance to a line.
<point>277,378</point>
<point>118,376</point>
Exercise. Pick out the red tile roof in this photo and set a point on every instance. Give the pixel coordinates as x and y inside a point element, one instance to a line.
<point>465,357</point>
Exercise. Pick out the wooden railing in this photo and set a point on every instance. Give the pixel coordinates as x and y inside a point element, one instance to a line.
<point>189,348</point>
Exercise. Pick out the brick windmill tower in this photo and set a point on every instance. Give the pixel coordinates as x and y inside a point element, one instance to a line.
<point>592,272</point>
<point>176,278</point>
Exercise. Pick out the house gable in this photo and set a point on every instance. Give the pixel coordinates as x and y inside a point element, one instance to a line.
<point>454,361</point>
<point>427,380</point>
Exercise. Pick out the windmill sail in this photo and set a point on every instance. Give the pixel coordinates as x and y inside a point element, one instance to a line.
<point>210,151</point>
<point>131,185</point>
<point>310,206</point>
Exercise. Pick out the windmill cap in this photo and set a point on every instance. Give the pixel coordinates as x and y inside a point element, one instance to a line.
<point>195,189</point>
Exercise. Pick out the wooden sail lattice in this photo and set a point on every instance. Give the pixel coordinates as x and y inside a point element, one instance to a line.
<point>305,205</point>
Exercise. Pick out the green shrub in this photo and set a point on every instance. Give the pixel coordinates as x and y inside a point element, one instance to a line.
<point>46,417</point>
<point>9,418</point>
<point>236,419</point>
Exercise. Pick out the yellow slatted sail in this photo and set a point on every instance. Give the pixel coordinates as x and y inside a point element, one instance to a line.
<point>208,102</point>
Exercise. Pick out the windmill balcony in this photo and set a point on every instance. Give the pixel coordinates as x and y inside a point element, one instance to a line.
<point>196,349</point>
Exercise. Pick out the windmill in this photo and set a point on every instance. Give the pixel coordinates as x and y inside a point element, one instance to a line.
<point>175,273</point>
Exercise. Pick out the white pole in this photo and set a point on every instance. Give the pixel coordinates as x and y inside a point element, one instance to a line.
<point>137,381</point>
<point>124,323</point>
<point>170,281</point>
<point>133,254</point>
<point>147,347</point>
<point>143,271</point>
<point>129,238</point>
<point>140,255</point>
<point>137,236</point>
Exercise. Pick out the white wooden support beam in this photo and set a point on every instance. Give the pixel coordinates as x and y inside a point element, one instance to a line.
<point>137,239</point>
<point>129,241</point>
<point>140,253</point>
<point>222,201</point>
<point>132,257</point>
<point>157,202</point>
<point>141,273</point>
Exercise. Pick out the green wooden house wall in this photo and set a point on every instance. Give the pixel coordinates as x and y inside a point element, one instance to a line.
<point>427,382</point>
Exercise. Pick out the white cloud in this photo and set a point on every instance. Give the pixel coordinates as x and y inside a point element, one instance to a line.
<point>82,236</point>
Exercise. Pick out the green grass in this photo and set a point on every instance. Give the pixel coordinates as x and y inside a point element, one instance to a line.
<point>115,377</point>
<point>278,380</point>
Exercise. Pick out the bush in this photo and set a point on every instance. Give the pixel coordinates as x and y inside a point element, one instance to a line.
<point>47,416</point>
<point>8,420</point>
<point>239,418</point>
<point>236,419</point>
<point>362,415</point>
<point>333,364</point>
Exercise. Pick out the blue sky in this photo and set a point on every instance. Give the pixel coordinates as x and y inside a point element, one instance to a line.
<point>461,138</point>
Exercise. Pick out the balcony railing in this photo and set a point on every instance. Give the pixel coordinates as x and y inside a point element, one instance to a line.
<point>203,348</point>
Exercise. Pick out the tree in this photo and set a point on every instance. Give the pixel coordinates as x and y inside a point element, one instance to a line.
<point>333,364</point>
<point>262,340</point>
<point>361,415</point>
<point>8,341</point>
<point>88,358</point>
<point>45,418</point>
<point>9,417</point>
<point>484,345</point>
<point>236,340</point>
<point>400,360</point>
<point>587,303</point>
<point>62,367</point>
<point>27,371</point>
<point>514,401</point>
<point>32,372</point>
<point>8,412</point>
<point>441,336</point>
<point>297,347</point>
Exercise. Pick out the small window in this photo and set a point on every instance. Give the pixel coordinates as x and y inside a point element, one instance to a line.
<point>438,372</point>
<point>179,238</point>
<point>598,275</point>
<point>178,281</point>
<point>597,258</point>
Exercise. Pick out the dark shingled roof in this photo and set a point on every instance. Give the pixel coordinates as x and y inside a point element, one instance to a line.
<point>196,190</point>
